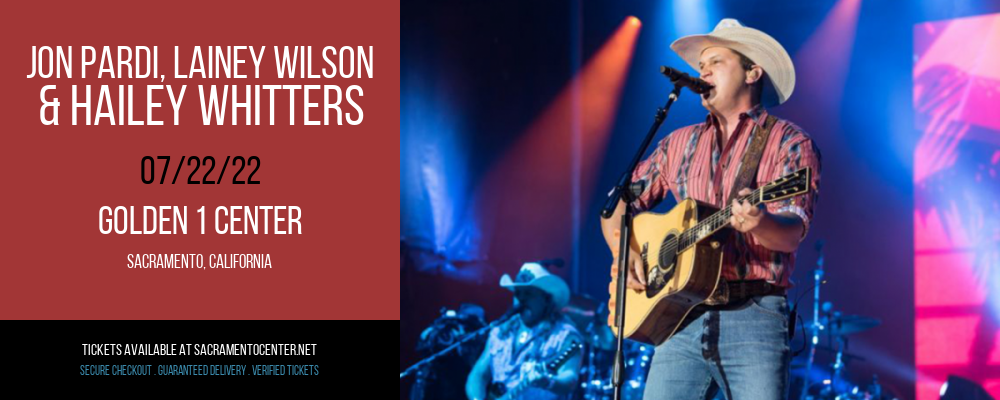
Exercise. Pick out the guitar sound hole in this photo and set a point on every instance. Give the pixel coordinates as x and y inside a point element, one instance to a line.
<point>658,276</point>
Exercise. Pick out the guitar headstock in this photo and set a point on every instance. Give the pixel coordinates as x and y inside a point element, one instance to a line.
<point>787,186</point>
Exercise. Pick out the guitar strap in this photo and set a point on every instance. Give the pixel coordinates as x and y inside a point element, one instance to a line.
<point>751,159</point>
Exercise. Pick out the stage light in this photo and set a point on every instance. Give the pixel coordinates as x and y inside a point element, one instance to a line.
<point>691,17</point>
<point>823,62</point>
<point>557,155</point>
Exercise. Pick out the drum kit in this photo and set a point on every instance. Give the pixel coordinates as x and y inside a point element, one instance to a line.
<point>828,333</point>
<point>829,336</point>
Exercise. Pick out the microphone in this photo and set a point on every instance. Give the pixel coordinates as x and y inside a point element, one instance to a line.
<point>679,78</point>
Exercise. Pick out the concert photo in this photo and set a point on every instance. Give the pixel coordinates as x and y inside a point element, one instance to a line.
<point>699,199</point>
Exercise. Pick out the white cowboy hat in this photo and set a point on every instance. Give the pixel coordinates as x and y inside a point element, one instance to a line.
<point>758,46</point>
<point>534,274</point>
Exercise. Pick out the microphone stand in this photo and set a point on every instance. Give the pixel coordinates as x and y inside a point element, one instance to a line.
<point>623,191</point>
<point>453,346</point>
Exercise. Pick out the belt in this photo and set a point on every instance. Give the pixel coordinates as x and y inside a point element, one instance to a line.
<point>736,292</point>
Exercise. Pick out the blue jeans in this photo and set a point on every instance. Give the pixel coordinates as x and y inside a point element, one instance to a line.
<point>741,351</point>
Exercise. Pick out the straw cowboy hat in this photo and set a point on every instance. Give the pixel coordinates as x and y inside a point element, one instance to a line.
<point>534,274</point>
<point>758,46</point>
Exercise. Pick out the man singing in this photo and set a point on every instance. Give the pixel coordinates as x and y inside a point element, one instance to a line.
<point>739,344</point>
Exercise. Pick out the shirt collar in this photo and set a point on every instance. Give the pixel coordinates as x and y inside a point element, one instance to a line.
<point>756,113</point>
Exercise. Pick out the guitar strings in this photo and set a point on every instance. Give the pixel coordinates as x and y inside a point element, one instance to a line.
<point>717,221</point>
<point>714,222</point>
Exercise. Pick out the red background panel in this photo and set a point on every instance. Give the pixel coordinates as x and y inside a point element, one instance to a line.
<point>55,263</point>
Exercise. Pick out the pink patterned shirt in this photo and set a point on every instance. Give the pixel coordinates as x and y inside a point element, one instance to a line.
<point>686,161</point>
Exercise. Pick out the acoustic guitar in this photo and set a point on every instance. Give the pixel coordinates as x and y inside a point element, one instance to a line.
<point>681,255</point>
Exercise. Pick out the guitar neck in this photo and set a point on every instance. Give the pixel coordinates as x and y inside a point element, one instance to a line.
<point>787,186</point>
<point>552,365</point>
<point>715,222</point>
